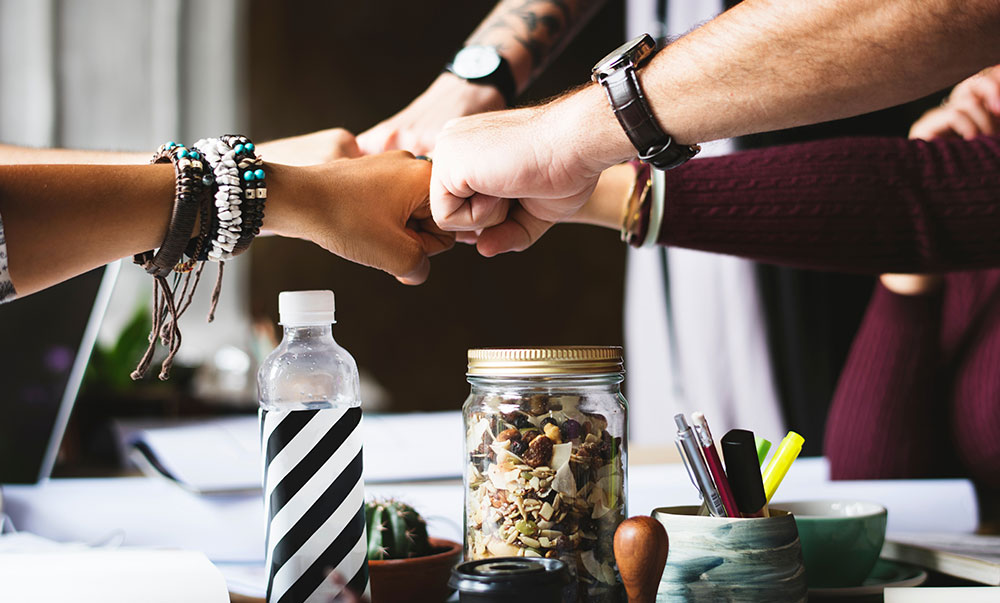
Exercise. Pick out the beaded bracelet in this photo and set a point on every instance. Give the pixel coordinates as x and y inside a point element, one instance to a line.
<point>228,218</point>
<point>253,178</point>
<point>221,182</point>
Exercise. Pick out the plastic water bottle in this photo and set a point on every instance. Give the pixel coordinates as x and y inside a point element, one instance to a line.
<point>310,420</point>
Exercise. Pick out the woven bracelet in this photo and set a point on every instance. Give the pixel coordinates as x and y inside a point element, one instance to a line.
<point>189,191</point>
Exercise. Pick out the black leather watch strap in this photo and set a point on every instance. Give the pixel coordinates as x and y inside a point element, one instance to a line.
<point>502,78</point>
<point>655,146</point>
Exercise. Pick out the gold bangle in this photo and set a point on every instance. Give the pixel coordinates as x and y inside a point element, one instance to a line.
<point>630,198</point>
<point>638,197</point>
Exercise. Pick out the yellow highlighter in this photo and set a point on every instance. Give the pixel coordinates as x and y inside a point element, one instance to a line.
<point>781,460</point>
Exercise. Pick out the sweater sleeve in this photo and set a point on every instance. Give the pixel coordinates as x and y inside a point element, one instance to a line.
<point>865,205</point>
<point>888,406</point>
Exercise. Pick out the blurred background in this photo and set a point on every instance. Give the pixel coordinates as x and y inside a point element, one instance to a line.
<point>755,346</point>
<point>131,74</point>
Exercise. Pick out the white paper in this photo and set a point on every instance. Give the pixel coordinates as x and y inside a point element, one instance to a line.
<point>216,456</point>
<point>936,505</point>
<point>110,576</point>
<point>965,594</point>
<point>140,512</point>
<point>223,455</point>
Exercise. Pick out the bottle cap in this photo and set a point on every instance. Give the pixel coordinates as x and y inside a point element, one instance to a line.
<point>545,361</point>
<point>303,308</point>
<point>503,579</point>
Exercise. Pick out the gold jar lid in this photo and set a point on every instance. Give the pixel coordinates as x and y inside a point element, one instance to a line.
<point>545,361</point>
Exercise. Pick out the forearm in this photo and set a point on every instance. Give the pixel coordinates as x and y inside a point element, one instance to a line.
<point>13,154</point>
<point>774,64</point>
<point>62,220</point>
<point>606,205</point>
<point>531,33</point>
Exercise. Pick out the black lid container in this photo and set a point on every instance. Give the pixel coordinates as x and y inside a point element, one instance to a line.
<point>504,579</point>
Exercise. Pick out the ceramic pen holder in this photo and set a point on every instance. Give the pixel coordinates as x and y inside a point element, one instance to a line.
<point>731,559</point>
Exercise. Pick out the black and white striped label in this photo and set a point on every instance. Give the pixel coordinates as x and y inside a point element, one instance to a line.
<point>314,498</point>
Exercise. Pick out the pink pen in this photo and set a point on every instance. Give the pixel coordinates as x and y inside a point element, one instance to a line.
<point>715,464</point>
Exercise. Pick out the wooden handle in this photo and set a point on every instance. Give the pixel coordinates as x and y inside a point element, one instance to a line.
<point>641,553</point>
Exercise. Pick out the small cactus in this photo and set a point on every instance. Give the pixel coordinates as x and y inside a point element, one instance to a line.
<point>395,531</point>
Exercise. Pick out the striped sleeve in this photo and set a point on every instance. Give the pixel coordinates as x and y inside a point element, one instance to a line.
<point>7,292</point>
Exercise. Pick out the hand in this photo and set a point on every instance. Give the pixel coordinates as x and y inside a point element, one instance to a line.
<point>311,149</point>
<point>372,210</point>
<point>416,127</point>
<point>512,174</point>
<point>972,109</point>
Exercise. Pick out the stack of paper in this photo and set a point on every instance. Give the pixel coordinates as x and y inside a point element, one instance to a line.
<point>969,556</point>
<point>110,576</point>
<point>223,455</point>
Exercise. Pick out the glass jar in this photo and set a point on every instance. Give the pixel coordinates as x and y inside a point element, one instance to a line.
<point>546,448</point>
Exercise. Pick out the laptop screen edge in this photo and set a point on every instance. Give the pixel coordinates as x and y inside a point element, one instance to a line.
<point>101,301</point>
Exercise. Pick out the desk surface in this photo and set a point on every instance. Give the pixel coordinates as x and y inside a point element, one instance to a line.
<point>229,528</point>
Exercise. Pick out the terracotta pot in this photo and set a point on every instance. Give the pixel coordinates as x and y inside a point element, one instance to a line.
<point>416,580</point>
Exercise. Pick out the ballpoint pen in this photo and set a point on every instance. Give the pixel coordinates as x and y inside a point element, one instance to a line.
<point>687,465</point>
<point>714,463</point>
<point>762,447</point>
<point>740,452</point>
<point>686,437</point>
<point>788,450</point>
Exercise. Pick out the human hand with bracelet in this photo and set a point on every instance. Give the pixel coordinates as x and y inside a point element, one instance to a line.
<point>207,202</point>
<point>62,220</point>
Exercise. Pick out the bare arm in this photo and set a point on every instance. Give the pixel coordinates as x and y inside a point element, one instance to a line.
<point>10,154</point>
<point>306,149</point>
<point>531,33</point>
<point>62,220</point>
<point>528,33</point>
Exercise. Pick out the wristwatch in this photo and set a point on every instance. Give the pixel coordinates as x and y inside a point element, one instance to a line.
<point>617,73</point>
<point>484,65</point>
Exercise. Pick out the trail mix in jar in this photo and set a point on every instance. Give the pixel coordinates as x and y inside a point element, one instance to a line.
<point>545,479</point>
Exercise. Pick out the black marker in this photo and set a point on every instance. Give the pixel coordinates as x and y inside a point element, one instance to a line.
<point>740,451</point>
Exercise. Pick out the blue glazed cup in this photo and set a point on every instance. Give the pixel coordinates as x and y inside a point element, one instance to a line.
<point>841,540</point>
<point>730,559</point>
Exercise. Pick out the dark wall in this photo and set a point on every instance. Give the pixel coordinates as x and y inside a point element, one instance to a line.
<point>317,64</point>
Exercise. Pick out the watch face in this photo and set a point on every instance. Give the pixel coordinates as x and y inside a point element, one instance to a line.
<point>474,62</point>
<point>633,52</point>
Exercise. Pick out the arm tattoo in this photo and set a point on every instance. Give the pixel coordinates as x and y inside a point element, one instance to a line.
<point>539,27</point>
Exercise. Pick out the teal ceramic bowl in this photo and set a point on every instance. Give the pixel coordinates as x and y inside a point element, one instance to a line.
<point>730,559</point>
<point>841,540</point>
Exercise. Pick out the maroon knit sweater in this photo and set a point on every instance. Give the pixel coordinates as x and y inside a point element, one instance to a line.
<point>867,205</point>
<point>919,395</point>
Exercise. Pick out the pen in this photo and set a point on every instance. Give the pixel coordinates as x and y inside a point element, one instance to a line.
<point>703,510</point>
<point>740,452</point>
<point>762,447</point>
<point>685,435</point>
<point>788,450</point>
<point>714,464</point>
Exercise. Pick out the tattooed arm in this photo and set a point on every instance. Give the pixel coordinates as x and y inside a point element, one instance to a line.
<point>528,33</point>
<point>531,33</point>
